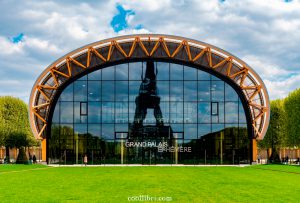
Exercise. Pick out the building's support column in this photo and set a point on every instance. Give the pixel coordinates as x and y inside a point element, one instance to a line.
<point>122,149</point>
<point>254,151</point>
<point>44,150</point>
<point>76,150</point>
<point>221,146</point>
<point>176,150</point>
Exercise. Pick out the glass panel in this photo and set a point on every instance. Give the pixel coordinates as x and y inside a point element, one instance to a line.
<point>165,109</point>
<point>202,75</point>
<point>176,112</point>
<point>190,91</point>
<point>204,90</point>
<point>219,118</point>
<point>215,108</point>
<point>214,77</point>
<point>221,112</point>
<point>66,131</point>
<point>80,131</point>
<point>217,91</point>
<point>242,115</point>
<point>190,131</point>
<point>108,131</point>
<point>203,129</point>
<point>121,90</point>
<point>66,112</point>
<point>176,72</point>
<point>190,73</point>
<point>55,118</point>
<point>132,108</point>
<point>122,71</point>
<point>96,75</point>
<point>94,112</point>
<point>177,127</point>
<point>121,109</point>
<point>230,93</point>
<point>121,128</point>
<point>162,71</point>
<point>83,108</point>
<point>204,112</point>
<point>217,127</point>
<point>108,73</point>
<point>67,94</point>
<point>243,133</point>
<point>83,78</point>
<point>108,89</point>
<point>163,90</point>
<point>80,91</point>
<point>150,119</point>
<point>231,112</point>
<point>190,112</point>
<point>135,70</point>
<point>108,112</point>
<point>77,112</point>
<point>176,90</point>
<point>94,130</point>
<point>94,91</point>
<point>133,89</point>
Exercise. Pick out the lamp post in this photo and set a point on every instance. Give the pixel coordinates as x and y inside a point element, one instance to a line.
<point>204,152</point>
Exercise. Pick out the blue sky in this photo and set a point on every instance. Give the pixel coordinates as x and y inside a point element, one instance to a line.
<point>265,34</point>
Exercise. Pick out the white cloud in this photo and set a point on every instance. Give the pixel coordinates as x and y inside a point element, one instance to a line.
<point>8,48</point>
<point>280,89</point>
<point>263,33</point>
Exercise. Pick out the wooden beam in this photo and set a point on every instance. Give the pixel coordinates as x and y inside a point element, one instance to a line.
<point>39,116</point>
<point>94,51</point>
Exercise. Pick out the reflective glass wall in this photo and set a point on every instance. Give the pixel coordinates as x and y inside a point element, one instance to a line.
<point>149,113</point>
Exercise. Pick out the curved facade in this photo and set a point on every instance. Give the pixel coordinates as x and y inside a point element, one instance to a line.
<point>149,99</point>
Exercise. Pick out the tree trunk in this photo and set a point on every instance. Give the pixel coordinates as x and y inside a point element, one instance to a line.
<point>7,154</point>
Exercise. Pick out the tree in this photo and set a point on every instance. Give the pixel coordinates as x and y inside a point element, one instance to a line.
<point>292,108</point>
<point>276,135</point>
<point>14,124</point>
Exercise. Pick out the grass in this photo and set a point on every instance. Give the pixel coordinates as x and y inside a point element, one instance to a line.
<point>261,183</point>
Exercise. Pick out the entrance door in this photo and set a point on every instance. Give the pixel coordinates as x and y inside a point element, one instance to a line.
<point>149,155</point>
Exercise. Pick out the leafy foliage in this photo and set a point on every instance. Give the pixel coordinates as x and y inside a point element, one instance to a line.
<point>292,108</point>
<point>284,127</point>
<point>276,135</point>
<point>14,124</point>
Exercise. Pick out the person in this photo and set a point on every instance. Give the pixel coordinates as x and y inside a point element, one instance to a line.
<point>85,160</point>
<point>34,159</point>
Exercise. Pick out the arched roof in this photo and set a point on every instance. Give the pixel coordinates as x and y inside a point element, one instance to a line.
<point>146,46</point>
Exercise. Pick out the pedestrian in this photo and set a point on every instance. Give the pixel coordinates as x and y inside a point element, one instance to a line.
<point>34,159</point>
<point>85,160</point>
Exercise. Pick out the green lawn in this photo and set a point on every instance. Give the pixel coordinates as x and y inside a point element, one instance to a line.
<point>261,183</point>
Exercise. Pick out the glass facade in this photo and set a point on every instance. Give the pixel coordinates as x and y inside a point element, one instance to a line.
<point>149,113</point>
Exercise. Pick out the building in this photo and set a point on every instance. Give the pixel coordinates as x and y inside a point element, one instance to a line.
<point>149,99</point>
